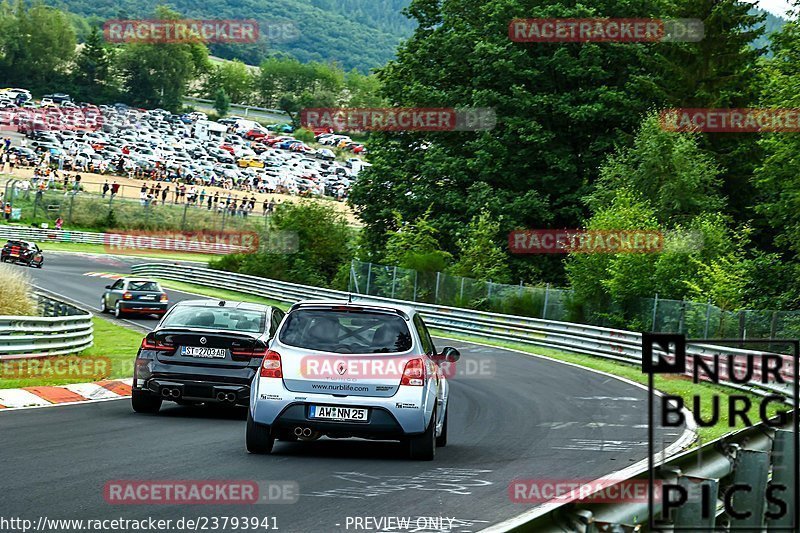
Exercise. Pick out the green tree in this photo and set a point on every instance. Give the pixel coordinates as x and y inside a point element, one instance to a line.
<point>37,44</point>
<point>721,70</point>
<point>221,102</point>
<point>158,75</point>
<point>669,170</point>
<point>776,179</point>
<point>92,73</point>
<point>323,242</point>
<point>234,78</point>
<point>560,109</point>
<point>415,246</point>
<point>480,256</point>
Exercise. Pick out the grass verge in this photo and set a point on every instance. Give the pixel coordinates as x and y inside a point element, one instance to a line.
<point>221,294</point>
<point>116,343</point>
<point>100,249</point>
<point>669,384</point>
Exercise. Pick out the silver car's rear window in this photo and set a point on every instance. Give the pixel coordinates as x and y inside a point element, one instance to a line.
<point>247,320</point>
<point>346,331</point>
<point>144,286</point>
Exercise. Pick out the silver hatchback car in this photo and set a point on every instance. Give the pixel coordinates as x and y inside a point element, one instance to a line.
<point>341,369</point>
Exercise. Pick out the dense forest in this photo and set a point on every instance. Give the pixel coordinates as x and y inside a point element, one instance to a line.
<point>578,142</point>
<point>360,34</point>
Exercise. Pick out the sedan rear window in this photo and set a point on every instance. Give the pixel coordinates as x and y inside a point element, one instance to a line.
<point>247,320</point>
<point>346,331</point>
<point>144,286</point>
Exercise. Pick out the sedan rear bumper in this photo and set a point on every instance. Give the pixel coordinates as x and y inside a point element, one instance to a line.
<point>195,390</point>
<point>143,307</point>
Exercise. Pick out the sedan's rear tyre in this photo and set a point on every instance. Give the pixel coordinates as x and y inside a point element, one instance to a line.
<point>441,440</point>
<point>423,447</point>
<point>143,402</point>
<point>258,437</point>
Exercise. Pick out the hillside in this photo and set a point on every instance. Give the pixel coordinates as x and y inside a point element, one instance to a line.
<point>360,34</point>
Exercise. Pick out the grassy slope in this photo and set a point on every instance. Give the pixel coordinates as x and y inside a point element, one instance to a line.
<point>100,249</point>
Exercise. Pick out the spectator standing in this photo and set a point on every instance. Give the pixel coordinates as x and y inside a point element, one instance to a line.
<point>105,188</point>
<point>59,222</point>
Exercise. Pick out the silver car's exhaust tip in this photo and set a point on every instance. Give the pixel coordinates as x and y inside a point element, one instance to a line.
<point>221,396</point>
<point>298,431</point>
<point>307,432</point>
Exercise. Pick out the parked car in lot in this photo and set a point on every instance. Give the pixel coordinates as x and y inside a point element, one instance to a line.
<point>205,351</point>
<point>24,252</point>
<point>250,161</point>
<point>342,369</point>
<point>134,295</point>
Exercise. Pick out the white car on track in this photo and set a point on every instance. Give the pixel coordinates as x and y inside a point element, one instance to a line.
<point>341,369</point>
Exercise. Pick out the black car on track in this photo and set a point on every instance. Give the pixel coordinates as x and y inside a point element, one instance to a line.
<point>25,252</point>
<point>203,351</point>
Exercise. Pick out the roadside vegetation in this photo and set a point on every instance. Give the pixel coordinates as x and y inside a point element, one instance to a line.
<point>15,292</point>
<point>144,254</point>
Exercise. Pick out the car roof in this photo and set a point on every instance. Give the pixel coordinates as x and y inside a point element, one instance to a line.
<point>139,279</point>
<point>404,309</point>
<point>228,304</point>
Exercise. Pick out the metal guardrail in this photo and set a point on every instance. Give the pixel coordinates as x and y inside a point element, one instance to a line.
<point>60,329</point>
<point>751,455</point>
<point>248,110</point>
<point>124,242</point>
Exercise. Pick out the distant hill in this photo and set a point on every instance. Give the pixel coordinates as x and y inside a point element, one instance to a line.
<point>772,24</point>
<point>360,34</point>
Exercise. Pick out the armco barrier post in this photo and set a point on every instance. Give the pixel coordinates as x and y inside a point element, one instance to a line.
<point>655,310</point>
<point>708,318</point>
<point>752,471</point>
<point>369,276</point>
<point>394,279</point>
<point>690,515</point>
<point>784,471</point>
<point>546,298</point>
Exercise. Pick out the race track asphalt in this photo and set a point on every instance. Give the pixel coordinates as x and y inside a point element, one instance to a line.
<point>523,418</point>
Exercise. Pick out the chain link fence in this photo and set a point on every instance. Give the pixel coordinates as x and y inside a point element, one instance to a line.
<point>86,209</point>
<point>695,319</point>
